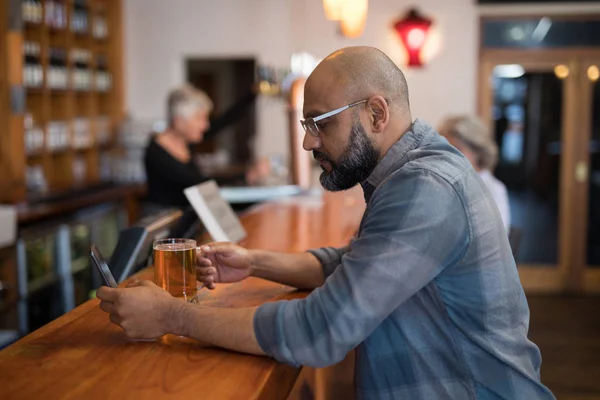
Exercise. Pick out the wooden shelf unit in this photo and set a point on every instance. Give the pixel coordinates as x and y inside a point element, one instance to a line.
<point>46,105</point>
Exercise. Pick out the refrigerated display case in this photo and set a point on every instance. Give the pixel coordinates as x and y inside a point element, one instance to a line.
<point>80,242</point>
<point>43,306</point>
<point>40,253</point>
<point>54,270</point>
<point>40,291</point>
<point>105,224</point>
<point>8,297</point>
<point>101,226</point>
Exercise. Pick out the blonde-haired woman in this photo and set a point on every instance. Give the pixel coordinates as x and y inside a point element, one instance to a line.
<point>472,138</point>
<point>170,167</point>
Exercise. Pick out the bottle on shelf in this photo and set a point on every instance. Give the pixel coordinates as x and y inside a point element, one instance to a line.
<point>26,11</point>
<point>57,74</point>
<point>58,135</point>
<point>33,73</point>
<point>32,11</point>
<point>39,11</point>
<point>56,14</point>
<point>82,137</point>
<point>35,179</point>
<point>49,8</point>
<point>79,20</point>
<point>81,73</point>
<point>103,79</point>
<point>34,135</point>
<point>100,25</point>
<point>27,65</point>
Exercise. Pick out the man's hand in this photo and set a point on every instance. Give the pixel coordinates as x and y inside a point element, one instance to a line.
<point>143,310</point>
<point>223,263</point>
<point>258,172</point>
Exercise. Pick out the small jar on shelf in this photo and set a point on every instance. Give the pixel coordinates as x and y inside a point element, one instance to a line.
<point>99,23</point>
<point>81,74</point>
<point>57,73</point>
<point>33,73</point>
<point>34,135</point>
<point>32,11</point>
<point>82,136</point>
<point>56,14</point>
<point>57,135</point>
<point>79,18</point>
<point>103,79</point>
<point>35,179</point>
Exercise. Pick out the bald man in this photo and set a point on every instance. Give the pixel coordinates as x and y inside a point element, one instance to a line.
<point>428,292</point>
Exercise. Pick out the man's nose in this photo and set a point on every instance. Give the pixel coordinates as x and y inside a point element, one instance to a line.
<point>311,142</point>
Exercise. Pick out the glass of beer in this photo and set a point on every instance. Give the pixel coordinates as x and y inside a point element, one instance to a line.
<point>175,267</point>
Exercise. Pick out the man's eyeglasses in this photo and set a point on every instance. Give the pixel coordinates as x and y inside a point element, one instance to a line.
<point>310,124</point>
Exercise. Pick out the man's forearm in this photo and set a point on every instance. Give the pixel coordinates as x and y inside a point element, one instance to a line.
<point>229,328</point>
<point>300,270</point>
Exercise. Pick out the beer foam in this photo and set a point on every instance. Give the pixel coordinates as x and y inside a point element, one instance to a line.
<point>173,247</point>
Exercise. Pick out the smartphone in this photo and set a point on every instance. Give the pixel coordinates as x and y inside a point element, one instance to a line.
<point>102,267</point>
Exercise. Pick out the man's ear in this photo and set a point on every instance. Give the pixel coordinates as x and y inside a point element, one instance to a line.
<point>379,113</point>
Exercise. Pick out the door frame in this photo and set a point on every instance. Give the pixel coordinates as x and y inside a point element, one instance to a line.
<point>588,279</point>
<point>569,274</point>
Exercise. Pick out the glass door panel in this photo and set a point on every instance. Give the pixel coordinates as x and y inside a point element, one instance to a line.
<point>527,115</point>
<point>593,214</point>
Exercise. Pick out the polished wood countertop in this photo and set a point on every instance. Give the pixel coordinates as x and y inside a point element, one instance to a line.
<point>82,355</point>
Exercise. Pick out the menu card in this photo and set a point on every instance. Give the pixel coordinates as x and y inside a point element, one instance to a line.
<point>215,213</point>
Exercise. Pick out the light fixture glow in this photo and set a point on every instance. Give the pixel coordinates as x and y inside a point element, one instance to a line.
<point>561,71</point>
<point>333,9</point>
<point>413,30</point>
<point>354,17</point>
<point>511,71</point>
<point>593,73</point>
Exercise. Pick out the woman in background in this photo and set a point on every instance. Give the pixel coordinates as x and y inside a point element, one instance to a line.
<point>170,167</point>
<point>472,138</point>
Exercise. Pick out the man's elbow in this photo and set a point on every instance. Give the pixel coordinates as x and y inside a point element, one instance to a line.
<point>320,357</point>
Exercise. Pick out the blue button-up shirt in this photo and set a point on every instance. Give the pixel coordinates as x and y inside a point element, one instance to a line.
<point>428,293</point>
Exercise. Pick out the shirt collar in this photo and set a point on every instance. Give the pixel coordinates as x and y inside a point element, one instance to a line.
<point>396,156</point>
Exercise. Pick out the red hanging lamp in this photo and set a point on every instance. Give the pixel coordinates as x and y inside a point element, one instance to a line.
<point>413,30</point>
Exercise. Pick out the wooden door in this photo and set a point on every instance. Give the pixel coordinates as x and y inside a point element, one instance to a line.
<point>586,271</point>
<point>531,103</point>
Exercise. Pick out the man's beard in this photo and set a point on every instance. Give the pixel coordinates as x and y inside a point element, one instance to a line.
<point>354,166</point>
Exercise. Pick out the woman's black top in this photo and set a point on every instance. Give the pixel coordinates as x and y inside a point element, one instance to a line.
<point>167,177</point>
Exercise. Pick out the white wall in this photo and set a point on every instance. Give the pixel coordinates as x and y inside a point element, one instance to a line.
<point>161,33</point>
<point>447,83</point>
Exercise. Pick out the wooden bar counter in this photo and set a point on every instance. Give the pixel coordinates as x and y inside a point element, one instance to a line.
<point>81,355</point>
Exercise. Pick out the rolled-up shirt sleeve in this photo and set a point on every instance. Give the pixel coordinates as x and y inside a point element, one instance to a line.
<point>415,226</point>
<point>329,257</point>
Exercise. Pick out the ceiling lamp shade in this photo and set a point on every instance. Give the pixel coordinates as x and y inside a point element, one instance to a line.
<point>413,30</point>
<point>333,9</point>
<point>354,17</point>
